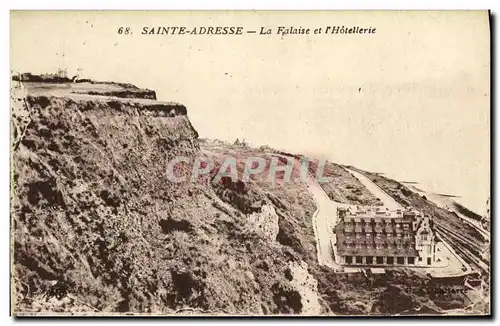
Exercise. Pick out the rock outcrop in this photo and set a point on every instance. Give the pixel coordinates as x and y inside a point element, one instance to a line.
<point>97,227</point>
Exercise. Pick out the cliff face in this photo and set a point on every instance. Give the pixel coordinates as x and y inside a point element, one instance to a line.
<point>98,228</point>
<point>89,192</point>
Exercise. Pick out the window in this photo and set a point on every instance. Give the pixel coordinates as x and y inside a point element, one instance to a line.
<point>424,236</point>
<point>428,260</point>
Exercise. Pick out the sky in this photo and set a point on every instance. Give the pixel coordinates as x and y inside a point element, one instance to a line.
<point>411,100</point>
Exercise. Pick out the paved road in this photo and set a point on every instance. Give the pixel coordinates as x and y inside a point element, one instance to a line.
<point>387,200</point>
<point>455,262</point>
<point>324,220</point>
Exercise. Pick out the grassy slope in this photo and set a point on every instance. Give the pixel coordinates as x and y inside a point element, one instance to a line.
<point>96,227</point>
<point>344,188</point>
<point>393,293</point>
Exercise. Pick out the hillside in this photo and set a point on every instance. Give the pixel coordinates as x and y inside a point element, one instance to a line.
<point>98,228</point>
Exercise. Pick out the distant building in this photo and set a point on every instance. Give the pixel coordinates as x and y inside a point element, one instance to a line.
<point>374,236</point>
<point>62,73</point>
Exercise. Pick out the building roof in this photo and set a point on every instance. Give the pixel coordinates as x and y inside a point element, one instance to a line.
<point>363,212</point>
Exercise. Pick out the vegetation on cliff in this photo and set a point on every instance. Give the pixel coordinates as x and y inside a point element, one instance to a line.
<point>98,228</point>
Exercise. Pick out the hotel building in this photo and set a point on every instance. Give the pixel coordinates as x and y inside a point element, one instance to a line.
<point>377,236</point>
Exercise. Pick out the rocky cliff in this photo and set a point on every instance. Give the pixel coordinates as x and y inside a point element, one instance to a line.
<point>98,228</point>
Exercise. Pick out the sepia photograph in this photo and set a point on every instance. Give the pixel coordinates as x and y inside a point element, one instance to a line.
<point>250,163</point>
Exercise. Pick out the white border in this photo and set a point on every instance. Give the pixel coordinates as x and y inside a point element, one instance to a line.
<point>254,5</point>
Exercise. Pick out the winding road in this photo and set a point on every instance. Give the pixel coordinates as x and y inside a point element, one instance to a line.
<point>453,265</point>
<point>387,200</point>
<point>324,219</point>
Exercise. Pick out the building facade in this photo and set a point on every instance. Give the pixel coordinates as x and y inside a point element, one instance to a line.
<point>377,236</point>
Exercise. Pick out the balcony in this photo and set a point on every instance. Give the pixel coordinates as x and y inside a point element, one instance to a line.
<point>348,241</point>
